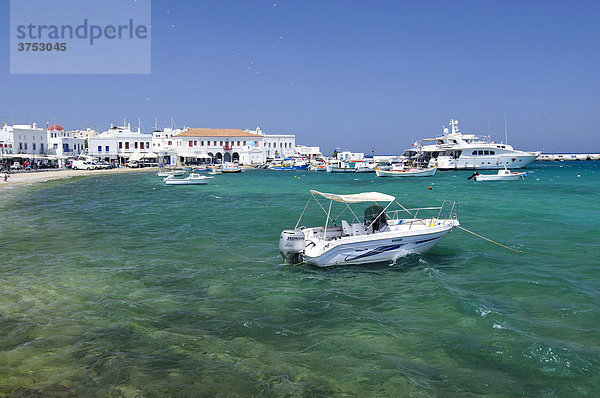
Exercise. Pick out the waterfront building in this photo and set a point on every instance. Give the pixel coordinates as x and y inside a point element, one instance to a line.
<point>203,145</point>
<point>311,152</point>
<point>279,145</point>
<point>63,144</point>
<point>23,139</point>
<point>122,145</point>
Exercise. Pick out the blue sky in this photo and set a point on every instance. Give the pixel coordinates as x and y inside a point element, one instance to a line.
<point>360,75</point>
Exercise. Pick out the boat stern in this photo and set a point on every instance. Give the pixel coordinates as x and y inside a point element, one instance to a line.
<point>291,246</point>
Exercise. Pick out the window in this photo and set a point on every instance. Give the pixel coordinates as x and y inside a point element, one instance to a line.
<point>170,143</point>
<point>201,143</point>
<point>107,148</point>
<point>215,143</point>
<point>474,153</point>
<point>34,146</point>
<point>190,143</point>
<point>221,143</point>
<point>492,152</point>
<point>127,145</point>
<point>120,145</point>
<point>195,143</point>
<point>55,146</point>
<point>244,143</point>
<point>25,146</point>
<point>135,145</point>
<point>99,148</point>
<point>42,147</point>
<point>238,144</point>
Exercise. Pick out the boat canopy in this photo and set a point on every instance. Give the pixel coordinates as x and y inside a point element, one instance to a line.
<point>357,197</point>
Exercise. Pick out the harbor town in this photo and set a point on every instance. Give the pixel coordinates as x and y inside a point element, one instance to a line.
<point>28,147</point>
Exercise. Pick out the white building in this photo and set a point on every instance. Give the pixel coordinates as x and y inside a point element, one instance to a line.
<point>200,145</point>
<point>23,139</point>
<point>279,145</point>
<point>347,156</point>
<point>121,144</point>
<point>308,151</point>
<point>63,144</point>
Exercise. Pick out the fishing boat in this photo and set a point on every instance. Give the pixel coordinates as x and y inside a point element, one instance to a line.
<point>381,235</point>
<point>406,171</point>
<point>503,175</point>
<point>338,166</point>
<point>231,168</point>
<point>290,164</point>
<point>192,179</point>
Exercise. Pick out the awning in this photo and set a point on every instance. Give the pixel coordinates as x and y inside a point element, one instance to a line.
<point>357,197</point>
<point>150,155</point>
<point>136,156</point>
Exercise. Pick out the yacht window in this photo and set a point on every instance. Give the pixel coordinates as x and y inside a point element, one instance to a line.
<point>492,152</point>
<point>480,152</point>
<point>474,152</point>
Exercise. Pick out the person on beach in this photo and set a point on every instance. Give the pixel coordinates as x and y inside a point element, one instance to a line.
<point>5,177</point>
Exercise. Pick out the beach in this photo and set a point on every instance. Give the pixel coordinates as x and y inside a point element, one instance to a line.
<point>34,177</point>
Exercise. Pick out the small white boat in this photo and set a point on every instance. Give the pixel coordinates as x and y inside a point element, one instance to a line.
<point>192,179</point>
<point>214,171</point>
<point>503,175</point>
<point>380,236</point>
<point>406,172</point>
<point>170,173</point>
<point>231,168</point>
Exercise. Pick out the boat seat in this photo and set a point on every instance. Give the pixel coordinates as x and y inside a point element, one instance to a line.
<point>358,229</point>
<point>346,230</point>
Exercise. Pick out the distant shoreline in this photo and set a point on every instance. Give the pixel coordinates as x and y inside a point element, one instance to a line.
<point>35,177</point>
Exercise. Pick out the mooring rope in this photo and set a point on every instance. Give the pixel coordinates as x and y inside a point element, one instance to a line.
<point>489,240</point>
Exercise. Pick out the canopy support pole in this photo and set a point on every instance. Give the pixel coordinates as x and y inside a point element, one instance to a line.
<point>327,222</point>
<point>300,219</point>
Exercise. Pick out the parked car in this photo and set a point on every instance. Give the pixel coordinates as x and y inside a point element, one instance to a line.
<point>83,165</point>
<point>16,166</point>
<point>101,164</point>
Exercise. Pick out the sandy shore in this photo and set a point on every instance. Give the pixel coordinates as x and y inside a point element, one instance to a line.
<point>34,177</point>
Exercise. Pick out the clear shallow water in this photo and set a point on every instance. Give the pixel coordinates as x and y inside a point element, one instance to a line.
<point>118,285</point>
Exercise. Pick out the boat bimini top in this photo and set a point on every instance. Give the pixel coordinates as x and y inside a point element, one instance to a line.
<point>376,214</point>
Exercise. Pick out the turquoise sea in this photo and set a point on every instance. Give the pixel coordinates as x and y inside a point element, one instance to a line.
<point>118,285</point>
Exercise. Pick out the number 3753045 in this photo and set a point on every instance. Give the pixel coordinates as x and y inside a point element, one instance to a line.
<point>42,47</point>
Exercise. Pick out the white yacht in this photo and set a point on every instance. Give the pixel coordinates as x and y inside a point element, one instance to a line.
<point>455,150</point>
<point>382,235</point>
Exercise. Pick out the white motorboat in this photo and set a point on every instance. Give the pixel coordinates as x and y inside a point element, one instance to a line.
<point>170,173</point>
<point>381,235</point>
<point>192,179</point>
<point>503,175</point>
<point>406,171</point>
<point>454,150</point>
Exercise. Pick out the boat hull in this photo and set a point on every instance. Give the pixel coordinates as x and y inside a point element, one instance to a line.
<point>183,182</point>
<point>416,173</point>
<point>470,162</point>
<point>494,177</point>
<point>383,247</point>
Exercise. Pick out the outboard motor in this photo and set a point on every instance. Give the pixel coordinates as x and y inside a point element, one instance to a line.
<point>291,246</point>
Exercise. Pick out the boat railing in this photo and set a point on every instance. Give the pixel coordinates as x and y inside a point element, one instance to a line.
<point>448,211</point>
